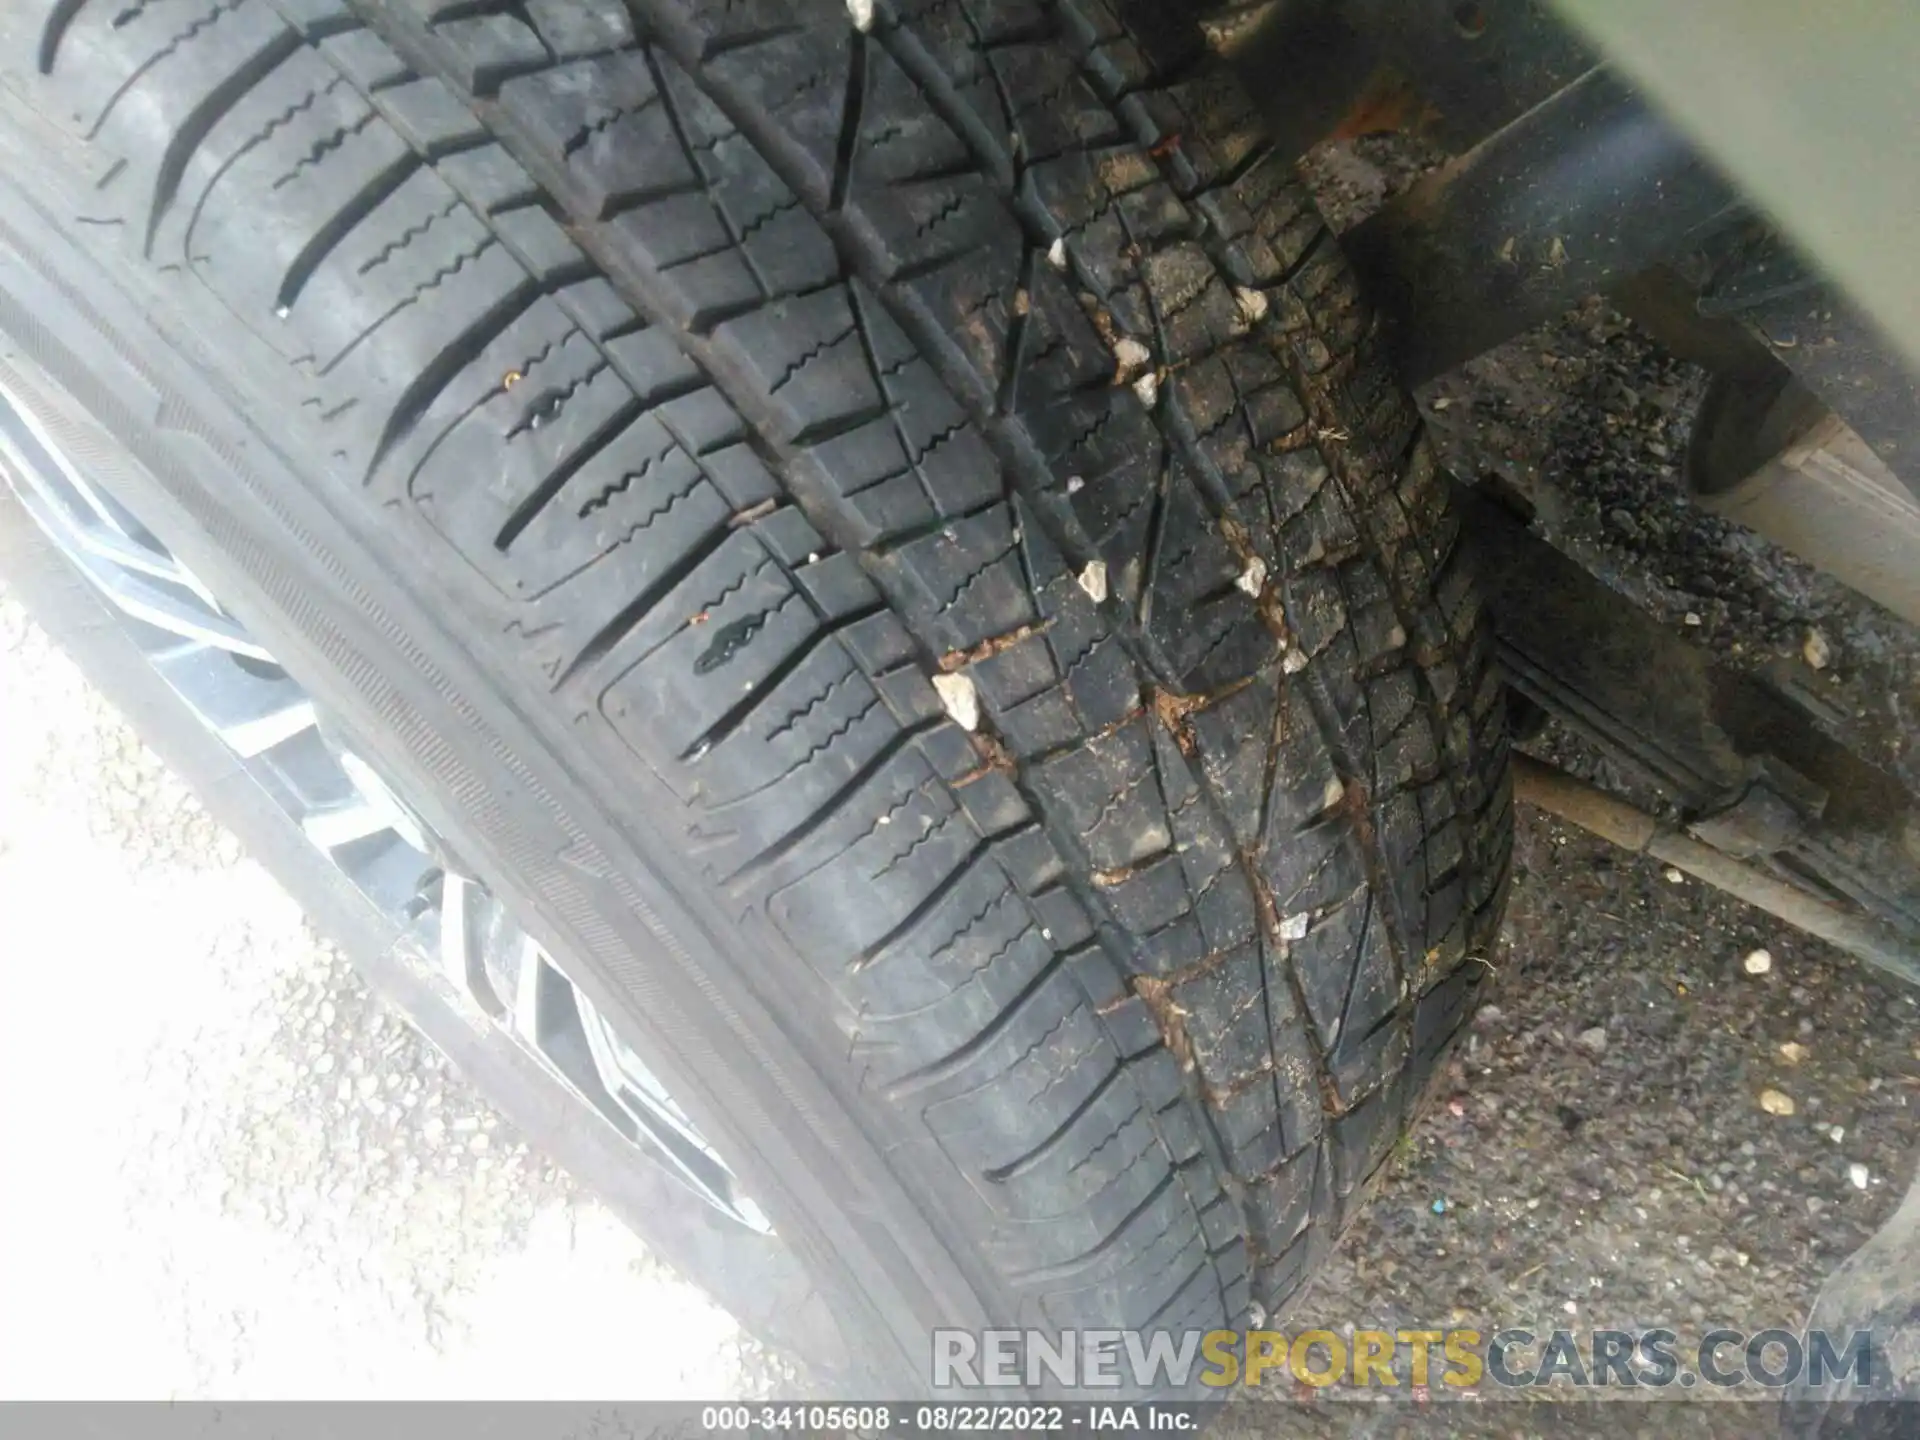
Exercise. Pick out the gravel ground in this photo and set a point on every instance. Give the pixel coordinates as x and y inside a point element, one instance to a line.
<point>254,1182</point>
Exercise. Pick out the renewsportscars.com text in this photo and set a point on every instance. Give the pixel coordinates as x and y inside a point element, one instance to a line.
<point>1430,1361</point>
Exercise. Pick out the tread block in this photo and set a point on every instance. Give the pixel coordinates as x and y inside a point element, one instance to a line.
<point>961,585</point>
<point>606,118</point>
<point>705,648</point>
<point>1110,793</point>
<point>488,50</point>
<point>918,844</point>
<point>807,360</point>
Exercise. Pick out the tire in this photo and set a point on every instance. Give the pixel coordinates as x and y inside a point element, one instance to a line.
<point>892,549</point>
<point>750,1274</point>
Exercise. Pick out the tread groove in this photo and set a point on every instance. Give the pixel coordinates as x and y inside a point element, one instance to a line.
<point>551,484</point>
<point>314,253</point>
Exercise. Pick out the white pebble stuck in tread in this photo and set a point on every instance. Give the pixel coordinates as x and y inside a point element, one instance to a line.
<point>1093,580</point>
<point>960,698</point>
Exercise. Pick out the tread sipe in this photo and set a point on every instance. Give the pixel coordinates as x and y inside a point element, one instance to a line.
<point>742,370</point>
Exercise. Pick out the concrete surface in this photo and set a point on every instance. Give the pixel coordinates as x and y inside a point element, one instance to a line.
<point>227,1170</point>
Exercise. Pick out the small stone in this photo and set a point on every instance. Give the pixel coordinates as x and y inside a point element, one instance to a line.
<point>1859,1175</point>
<point>1758,962</point>
<point>1693,619</point>
<point>862,13</point>
<point>1776,1102</point>
<point>1441,402</point>
<point>1129,355</point>
<point>1593,1039</point>
<point>1674,877</point>
<point>1294,927</point>
<point>479,1142</point>
<point>1623,523</point>
<point>1294,661</point>
<point>1075,484</point>
<point>1253,579</point>
<point>1093,580</point>
<point>1253,305</point>
<point>960,698</point>
<point>1333,793</point>
<point>1793,1052</point>
<point>1057,253</point>
<point>1836,1133</point>
<point>1147,388</point>
<point>1817,651</point>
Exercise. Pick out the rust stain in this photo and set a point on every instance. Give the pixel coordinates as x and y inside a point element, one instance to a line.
<point>1109,731</point>
<point>1387,101</point>
<point>1298,438</point>
<point>1220,1096</point>
<point>1262,897</point>
<point>1172,710</point>
<point>1330,1096</point>
<point>752,513</point>
<point>1101,321</point>
<point>994,758</point>
<point>986,649</point>
<point>1354,802</point>
<point>1120,874</point>
<point>1169,1018</point>
<point>1205,965</point>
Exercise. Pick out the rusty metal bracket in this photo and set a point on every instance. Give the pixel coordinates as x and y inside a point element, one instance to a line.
<point>1772,814</point>
<point>1583,191</point>
<point>1573,186</point>
<point>1459,69</point>
<point>1608,816</point>
<point>1754,776</point>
